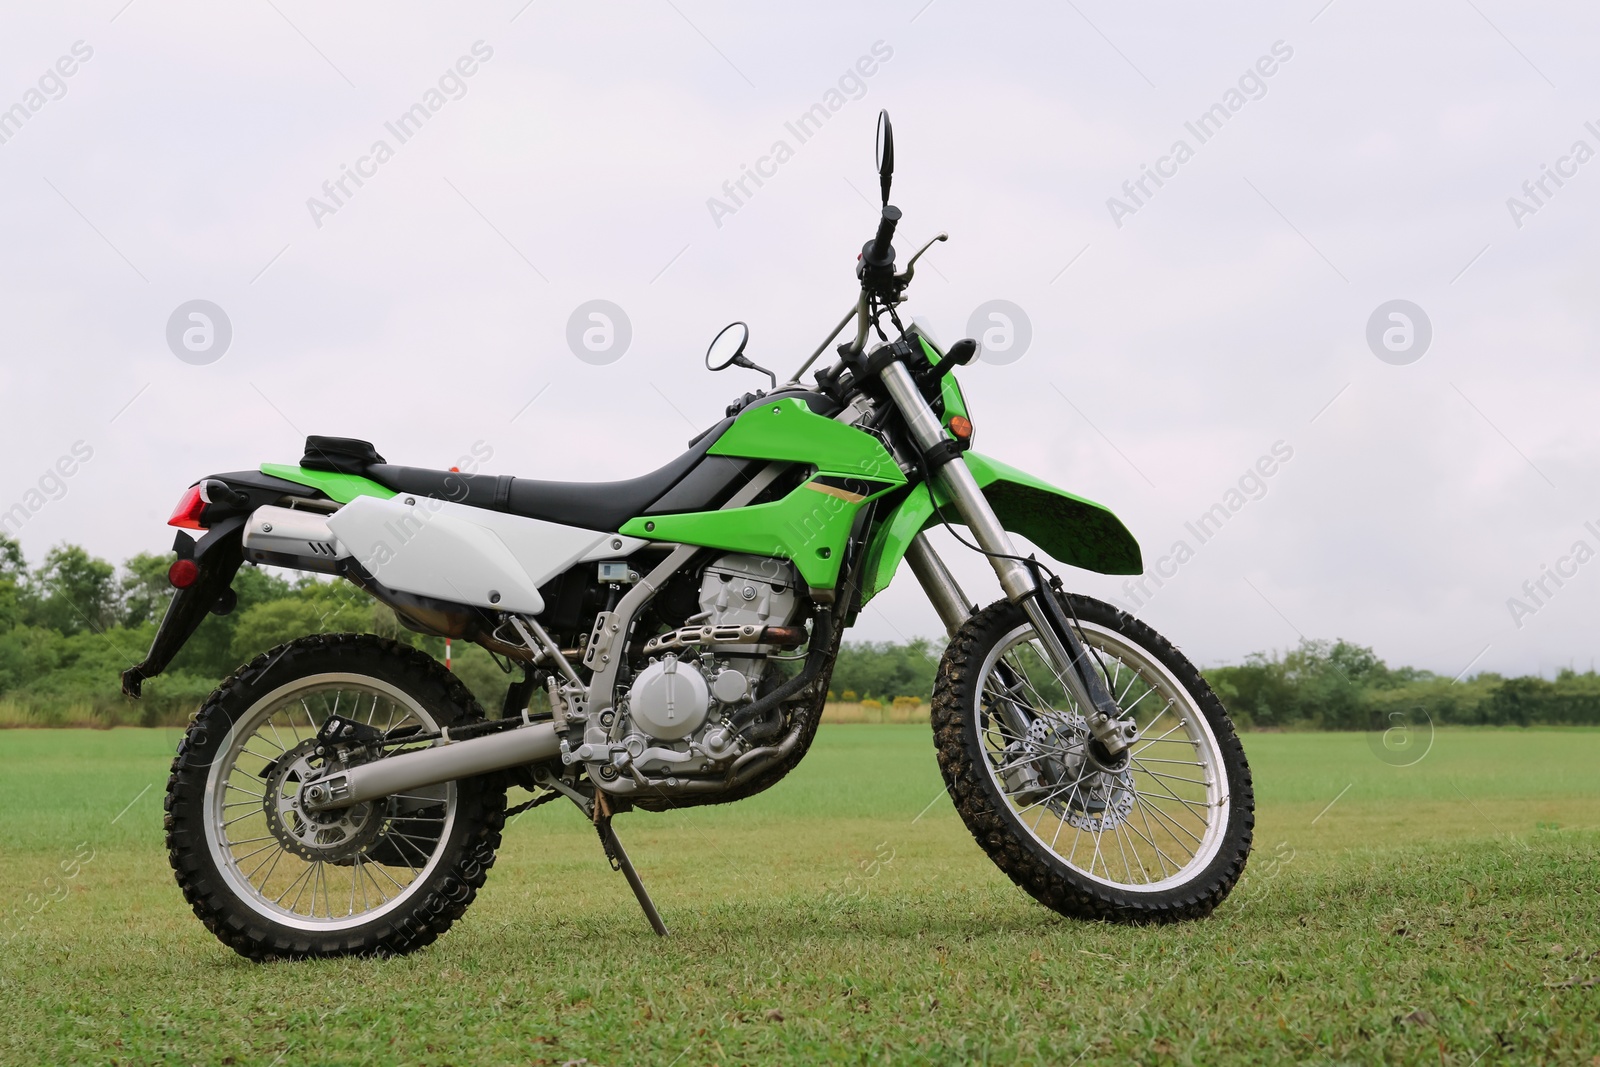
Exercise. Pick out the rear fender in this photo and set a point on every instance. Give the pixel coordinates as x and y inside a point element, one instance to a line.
<point>218,554</point>
<point>1069,528</point>
<point>219,551</point>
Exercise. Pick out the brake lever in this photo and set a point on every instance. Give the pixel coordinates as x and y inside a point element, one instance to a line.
<point>903,279</point>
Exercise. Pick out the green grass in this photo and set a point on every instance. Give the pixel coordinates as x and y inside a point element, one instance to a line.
<point>1439,913</point>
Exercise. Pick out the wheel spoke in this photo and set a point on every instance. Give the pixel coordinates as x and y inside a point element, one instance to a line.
<point>1065,789</point>
<point>1168,820</point>
<point>1188,803</point>
<point>256,852</point>
<point>1136,703</point>
<point>1041,747</point>
<point>258,777</point>
<point>1153,740</point>
<point>1162,857</point>
<point>1122,829</point>
<point>406,841</point>
<point>1170,777</point>
<point>297,878</point>
<point>1096,854</point>
<point>381,870</point>
<point>272,859</point>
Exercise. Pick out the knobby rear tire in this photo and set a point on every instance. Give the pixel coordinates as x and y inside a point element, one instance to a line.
<point>450,885</point>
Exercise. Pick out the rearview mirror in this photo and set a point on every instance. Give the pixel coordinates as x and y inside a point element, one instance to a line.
<point>727,350</point>
<point>727,347</point>
<point>885,153</point>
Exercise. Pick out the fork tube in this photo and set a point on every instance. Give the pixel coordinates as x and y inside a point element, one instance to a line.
<point>1016,579</point>
<point>946,596</point>
<point>959,484</point>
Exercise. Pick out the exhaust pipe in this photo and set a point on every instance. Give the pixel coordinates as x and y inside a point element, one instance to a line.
<point>431,766</point>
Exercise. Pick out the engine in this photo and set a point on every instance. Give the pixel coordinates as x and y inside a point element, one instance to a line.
<point>677,710</point>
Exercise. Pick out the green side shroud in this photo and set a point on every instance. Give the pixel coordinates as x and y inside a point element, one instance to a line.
<point>812,524</point>
<point>1069,528</point>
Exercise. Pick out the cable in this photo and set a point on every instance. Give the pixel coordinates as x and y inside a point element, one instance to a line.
<point>938,509</point>
<point>894,317</point>
<point>877,317</point>
<point>1030,561</point>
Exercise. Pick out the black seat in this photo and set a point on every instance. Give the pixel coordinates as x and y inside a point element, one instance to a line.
<point>593,505</point>
<point>695,481</point>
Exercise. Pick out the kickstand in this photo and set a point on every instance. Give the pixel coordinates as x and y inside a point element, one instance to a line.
<point>620,862</point>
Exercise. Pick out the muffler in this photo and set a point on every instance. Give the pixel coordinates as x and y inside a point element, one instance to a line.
<point>285,537</point>
<point>431,766</point>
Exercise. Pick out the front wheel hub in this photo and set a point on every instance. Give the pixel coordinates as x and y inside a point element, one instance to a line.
<point>1104,759</point>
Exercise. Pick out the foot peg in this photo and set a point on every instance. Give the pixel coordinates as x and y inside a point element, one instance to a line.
<point>620,862</point>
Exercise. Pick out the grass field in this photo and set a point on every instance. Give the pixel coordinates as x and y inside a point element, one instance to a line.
<point>1439,913</point>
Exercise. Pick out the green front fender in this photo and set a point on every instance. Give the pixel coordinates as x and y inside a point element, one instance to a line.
<point>1070,529</point>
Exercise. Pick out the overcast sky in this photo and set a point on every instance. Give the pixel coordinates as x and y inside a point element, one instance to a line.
<point>1177,336</point>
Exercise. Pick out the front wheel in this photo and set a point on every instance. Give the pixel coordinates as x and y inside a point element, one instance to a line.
<point>1158,837</point>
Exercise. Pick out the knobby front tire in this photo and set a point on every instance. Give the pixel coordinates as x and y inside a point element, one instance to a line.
<point>1164,839</point>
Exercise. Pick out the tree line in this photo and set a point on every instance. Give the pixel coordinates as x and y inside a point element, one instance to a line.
<point>70,625</point>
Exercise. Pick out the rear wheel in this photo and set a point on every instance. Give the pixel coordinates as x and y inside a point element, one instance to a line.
<point>1160,835</point>
<point>273,879</point>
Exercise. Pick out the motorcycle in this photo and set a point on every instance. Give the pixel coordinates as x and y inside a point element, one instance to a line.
<point>345,793</point>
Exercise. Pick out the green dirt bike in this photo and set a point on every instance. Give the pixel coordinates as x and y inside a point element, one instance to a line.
<point>345,794</point>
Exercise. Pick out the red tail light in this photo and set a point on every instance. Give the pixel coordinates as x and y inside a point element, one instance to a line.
<point>182,573</point>
<point>187,513</point>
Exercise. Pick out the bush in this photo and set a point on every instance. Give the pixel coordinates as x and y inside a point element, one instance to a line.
<point>883,668</point>
<point>71,625</point>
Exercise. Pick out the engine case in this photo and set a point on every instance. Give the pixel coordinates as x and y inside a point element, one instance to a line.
<point>670,699</point>
<point>676,707</point>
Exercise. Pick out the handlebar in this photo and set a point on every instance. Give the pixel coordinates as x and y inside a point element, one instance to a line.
<point>878,280</point>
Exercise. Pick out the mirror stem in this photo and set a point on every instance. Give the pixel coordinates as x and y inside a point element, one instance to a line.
<point>823,347</point>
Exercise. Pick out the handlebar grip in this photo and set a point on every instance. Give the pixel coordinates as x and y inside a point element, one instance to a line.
<point>880,253</point>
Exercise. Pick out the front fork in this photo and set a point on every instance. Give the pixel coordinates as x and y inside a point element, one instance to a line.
<point>1020,582</point>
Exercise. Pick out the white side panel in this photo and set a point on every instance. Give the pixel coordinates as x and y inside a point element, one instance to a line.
<point>464,554</point>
